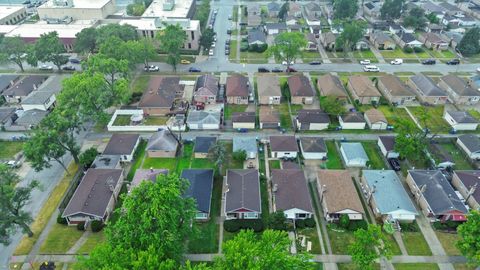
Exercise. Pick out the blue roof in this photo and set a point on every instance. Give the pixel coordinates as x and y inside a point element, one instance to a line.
<point>354,151</point>
<point>249,144</point>
<point>201,185</point>
<point>389,194</point>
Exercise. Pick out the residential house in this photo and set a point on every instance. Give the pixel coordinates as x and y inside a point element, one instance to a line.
<point>162,143</point>
<point>291,20</point>
<point>254,20</point>
<point>312,44</point>
<point>434,28</point>
<point>95,196</point>
<point>468,184</point>
<point>352,120</point>
<point>313,9</point>
<point>312,120</point>
<point>376,119</point>
<point>290,194</point>
<point>451,9</point>
<point>123,145</point>
<point>313,148</point>
<point>275,28</point>
<point>330,85</point>
<point>242,120</point>
<point>395,91</point>
<point>459,21</point>
<point>363,89</point>
<point>283,147</point>
<point>256,37</point>
<point>253,9</point>
<point>433,41</point>
<point>44,97</point>
<point>301,90</point>
<point>382,41</point>
<point>405,40</point>
<point>6,81</point>
<point>470,144</point>
<point>394,28</point>
<point>430,7</point>
<point>328,39</point>
<point>160,95</point>
<point>268,88</point>
<point>237,89</point>
<point>426,89</point>
<point>203,145</point>
<point>294,9</point>
<point>371,11</point>
<point>460,120</point>
<point>453,38</point>
<point>273,8</point>
<point>460,91</point>
<point>338,195</point>
<point>198,120</point>
<point>435,196</point>
<point>200,189</point>
<point>353,154</point>
<point>142,175</point>
<point>206,89</point>
<point>17,92</point>
<point>28,120</point>
<point>387,197</point>
<point>387,146</point>
<point>312,21</point>
<point>269,117</point>
<point>7,117</point>
<point>242,197</point>
<point>247,144</point>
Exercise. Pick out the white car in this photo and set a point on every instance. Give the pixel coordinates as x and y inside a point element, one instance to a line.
<point>371,68</point>
<point>45,67</point>
<point>285,63</point>
<point>213,45</point>
<point>151,68</point>
<point>396,61</point>
<point>365,62</point>
<point>210,53</point>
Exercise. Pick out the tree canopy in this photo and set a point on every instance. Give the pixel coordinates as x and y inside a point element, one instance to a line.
<point>469,242</point>
<point>172,39</point>
<point>207,38</point>
<point>415,18</point>
<point>288,46</point>
<point>410,141</point>
<point>344,9</point>
<point>217,154</point>
<point>90,39</point>
<point>333,106</point>
<point>14,49</point>
<point>48,48</point>
<point>391,9</point>
<point>86,41</point>
<point>364,248</point>
<point>352,33</point>
<point>470,43</point>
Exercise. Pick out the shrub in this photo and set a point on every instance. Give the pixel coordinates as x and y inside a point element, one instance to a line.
<point>408,50</point>
<point>262,48</point>
<point>231,226</point>
<point>97,225</point>
<point>344,221</point>
<point>310,222</point>
<point>81,226</point>
<point>61,220</point>
<point>358,224</point>
<point>257,226</point>
<point>235,225</point>
<point>409,227</point>
<point>277,221</point>
<point>300,223</point>
<point>418,49</point>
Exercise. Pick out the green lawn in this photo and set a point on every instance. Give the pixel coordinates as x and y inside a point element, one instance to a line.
<point>457,155</point>
<point>435,121</point>
<point>340,240</point>
<point>397,53</point>
<point>160,163</point>
<point>312,236</point>
<point>202,163</point>
<point>308,56</point>
<point>122,120</point>
<point>375,159</point>
<point>351,266</point>
<point>285,119</point>
<point>9,149</point>
<point>60,239</point>
<point>138,157</point>
<point>231,108</point>
<point>415,244</point>
<point>475,113</point>
<point>415,266</point>
<point>448,241</point>
<point>235,13</point>
<point>253,57</point>
<point>140,84</point>
<point>233,50</point>
<point>92,241</point>
<point>334,161</point>
<point>295,108</point>
<point>155,120</point>
<point>395,248</point>
<point>274,164</point>
<point>230,162</point>
<point>394,114</point>
<point>186,157</point>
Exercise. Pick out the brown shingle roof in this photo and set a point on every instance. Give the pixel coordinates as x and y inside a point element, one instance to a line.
<point>395,86</point>
<point>459,86</point>
<point>363,86</point>
<point>161,92</point>
<point>339,191</point>
<point>237,85</point>
<point>268,85</point>
<point>121,144</point>
<point>283,144</point>
<point>243,117</point>
<point>375,116</point>
<point>299,85</point>
<point>268,115</point>
<point>353,117</point>
<point>330,85</point>
<point>290,190</point>
<point>243,191</point>
<point>206,85</point>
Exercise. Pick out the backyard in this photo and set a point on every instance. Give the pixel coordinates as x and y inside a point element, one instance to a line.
<point>334,161</point>
<point>231,108</point>
<point>375,159</point>
<point>10,149</point>
<point>449,149</point>
<point>434,119</point>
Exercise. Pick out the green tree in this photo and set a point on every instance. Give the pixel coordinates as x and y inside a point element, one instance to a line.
<point>240,155</point>
<point>432,18</point>
<point>13,49</point>
<point>86,41</point>
<point>469,242</point>
<point>88,156</point>
<point>345,9</point>
<point>131,51</point>
<point>288,47</point>
<point>40,150</point>
<point>365,246</point>
<point>277,221</point>
<point>391,9</point>
<point>352,33</point>
<point>207,38</point>
<point>218,155</point>
<point>202,13</point>
<point>13,199</point>
<point>49,48</point>
<point>410,142</point>
<point>269,251</point>
<point>283,11</point>
<point>333,106</point>
<point>152,227</point>
<point>146,50</point>
<point>172,39</point>
<point>136,9</point>
<point>415,18</point>
<point>124,32</point>
<point>470,43</point>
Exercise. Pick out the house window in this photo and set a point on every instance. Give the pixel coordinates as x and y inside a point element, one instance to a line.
<point>250,215</point>
<point>200,215</point>
<point>193,35</point>
<point>303,215</point>
<point>189,45</point>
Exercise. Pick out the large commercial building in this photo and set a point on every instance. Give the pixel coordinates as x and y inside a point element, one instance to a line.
<point>12,14</point>
<point>170,9</point>
<point>64,10</point>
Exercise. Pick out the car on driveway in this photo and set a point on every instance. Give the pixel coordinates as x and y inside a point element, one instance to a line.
<point>395,164</point>
<point>315,63</point>
<point>365,62</point>
<point>263,70</point>
<point>429,62</point>
<point>45,67</point>
<point>453,62</point>
<point>397,61</point>
<point>277,69</point>
<point>193,69</point>
<point>71,68</point>
<point>151,68</point>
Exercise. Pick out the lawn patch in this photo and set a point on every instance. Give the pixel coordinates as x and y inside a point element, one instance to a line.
<point>435,123</point>
<point>394,245</point>
<point>274,164</point>
<point>138,157</point>
<point>155,120</point>
<point>334,161</point>
<point>415,266</point>
<point>231,108</point>
<point>340,240</point>
<point>10,149</point>
<point>160,163</point>
<point>285,119</point>
<point>233,50</point>
<point>312,236</point>
<point>393,114</point>
<point>375,159</point>
<point>140,84</point>
<point>448,241</point>
<point>206,238</point>
<point>415,244</point>
<point>202,163</point>
<point>92,241</point>
<point>60,239</point>
<point>450,149</point>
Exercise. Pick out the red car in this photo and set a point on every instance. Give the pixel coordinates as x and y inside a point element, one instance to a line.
<point>290,69</point>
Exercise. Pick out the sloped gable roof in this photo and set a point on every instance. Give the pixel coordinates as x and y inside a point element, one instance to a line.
<point>290,190</point>
<point>200,188</point>
<point>243,191</point>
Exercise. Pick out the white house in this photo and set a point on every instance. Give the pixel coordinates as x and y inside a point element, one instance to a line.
<point>459,120</point>
<point>387,146</point>
<point>352,121</point>
<point>290,193</point>
<point>40,100</point>
<point>283,147</point>
<point>313,148</point>
<point>376,120</point>
<point>470,144</point>
<point>353,154</point>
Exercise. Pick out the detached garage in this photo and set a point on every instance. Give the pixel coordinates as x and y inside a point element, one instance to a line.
<point>376,119</point>
<point>353,154</point>
<point>313,148</point>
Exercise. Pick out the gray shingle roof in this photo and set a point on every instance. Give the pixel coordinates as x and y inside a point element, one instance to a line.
<point>427,86</point>
<point>268,85</point>
<point>201,185</point>
<point>462,117</point>
<point>249,144</point>
<point>313,145</point>
<point>243,191</point>
<point>354,151</point>
<point>203,117</point>
<point>25,86</point>
<point>395,86</point>
<point>243,117</point>
<point>6,80</point>
<point>388,142</point>
<point>31,117</point>
<point>283,144</point>
<point>146,174</point>
<point>256,35</point>
<point>121,144</point>
<point>162,140</point>
<point>5,113</point>
<point>291,190</point>
<point>459,86</point>
<point>469,178</point>
<point>273,6</point>
<point>472,142</point>
<point>37,97</point>
<point>203,144</point>
<point>353,117</point>
<point>313,116</point>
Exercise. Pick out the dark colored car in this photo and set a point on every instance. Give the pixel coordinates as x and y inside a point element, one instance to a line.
<point>192,69</point>
<point>453,62</point>
<point>227,52</point>
<point>395,164</point>
<point>315,63</point>
<point>290,69</point>
<point>429,62</point>
<point>263,70</point>
<point>68,68</point>
<point>277,69</point>
<point>74,61</point>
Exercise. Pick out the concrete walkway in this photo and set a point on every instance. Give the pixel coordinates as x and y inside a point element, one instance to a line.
<point>267,175</point>
<point>432,241</point>
<point>324,55</point>
<point>79,242</point>
<point>377,54</point>
<point>398,238</point>
<point>413,118</point>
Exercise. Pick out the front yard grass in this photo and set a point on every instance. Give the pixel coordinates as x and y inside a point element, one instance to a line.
<point>415,244</point>
<point>397,53</point>
<point>340,240</point>
<point>312,236</point>
<point>231,108</point>
<point>435,121</point>
<point>448,241</point>
<point>253,57</point>
<point>415,266</point>
<point>140,84</point>
<point>46,212</point>
<point>233,50</point>
<point>186,158</point>
<point>375,159</point>
<point>10,149</point>
<point>334,161</point>
<point>60,239</point>
<point>92,241</point>
<point>308,56</point>
<point>393,244</point>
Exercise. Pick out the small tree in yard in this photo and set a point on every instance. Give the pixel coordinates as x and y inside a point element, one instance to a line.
<point>277,221</point>
<point>171,40</point>
<point>217,154</point>
<point>288,47</point>
<point>86,158</point>
<point>13,49</point>
<point>333,106</point>
<point>469,243</point>
<point>363,249</point>
<point>352,32</point>
<point>48,48</point>
<point>240,155</point>
<point>410,142</point>
<point>207,38</point>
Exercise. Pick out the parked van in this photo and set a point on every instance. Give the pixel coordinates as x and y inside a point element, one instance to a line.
<point>371,68</point>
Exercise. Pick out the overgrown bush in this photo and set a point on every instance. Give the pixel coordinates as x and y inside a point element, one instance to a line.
<point>344,221</point>
<point>408,50</point>
<point>357,224</point>
<point>136,96</point>
<point>97,225</point>
<point>277,221</point>
<point>235,225</point>
<point>81,226</point>
<point>409,227</point>
<point>300,223</point>
<point>418,49</point>
<point>61,220</point>
<point>310,222</point>
<point>448,225</point>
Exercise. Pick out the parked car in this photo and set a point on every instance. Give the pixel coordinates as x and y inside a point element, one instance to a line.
<point>453,62</point>
<point>68,68</point>
<point>45,67</point>
<point>371,68</point>
<point>290,69</point>
<point>227,52</point>
<point>285,63</point>
<point>227,47</point>
<point>429,62</point>
<point>263,69</point>
<point>397,61</point>
<point>277,69</point>
<point>151,68</point>
<point>193,69</point>
<point>230,17</point>
<point>315,63</point>
<point>213,44</point>
<point>210,52</point>
<point>395,164</point>
<point>74,61</point>
<point>365,62</point>
<point>184,61</point>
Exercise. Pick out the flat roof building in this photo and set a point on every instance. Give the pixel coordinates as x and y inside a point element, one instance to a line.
<point>12,14</point>
<point>76,9</point>
<point>170,9</point>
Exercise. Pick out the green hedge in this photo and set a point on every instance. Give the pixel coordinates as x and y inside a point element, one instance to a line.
<point>236,225</point>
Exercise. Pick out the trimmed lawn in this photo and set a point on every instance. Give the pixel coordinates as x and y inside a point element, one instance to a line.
<point>395,248</point>
<point>233,50</point>
<point>122,120</point>
<point>230,109</point>
<point>10,149</point>
<point>93,240</point>
<point>160,163</point>
<point>462,266</point>
<point>448,241</point>
<point>312,236</point>
<point>295,108</point>
<point>334,161</point>
<point>202,163</point>
<point>46,212</point>
<point>376,160</point>
<point>60,239</point>
<point>140,84</point>
<point>206,238</point>
<point>457,155</point>
<point>340,240</point>
<point>351,266</point>
<point>138,157</point>
<point>185,160</point>
<point>155,120</point>
<point>253,57</point>
<point>310,56</point>
<point>435,122</point>
<point>415,244</point>
<point>285,119</point>
<point>394,114</point>
<point>274,164</point>
<point>397,53</point>
<point>415,266</point>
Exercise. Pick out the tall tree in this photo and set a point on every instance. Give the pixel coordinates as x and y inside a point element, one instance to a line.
<point>365,246</point>
<point>391,9</point>
<point>410,142</point>
<point>13,199</point>
<point>345,9</point>
<point>469,243</point>
<point>86,41</point>
<point>352,33</point>
<point>40,150</point>
<point>150,233</point>
<point>49,48</point>
<point>217,154</point>
<point>283,11</point>
<point>202,13</point>
<point>470,43</point>
<point>14,49</point>
<point>269,251</point>
<point>432,18</point>
<point>207,38</point>
<point>124,32</point>
<point>333,106</point>
<point>415,18</point>
<point>288,47</point>
<point>172,39</point>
